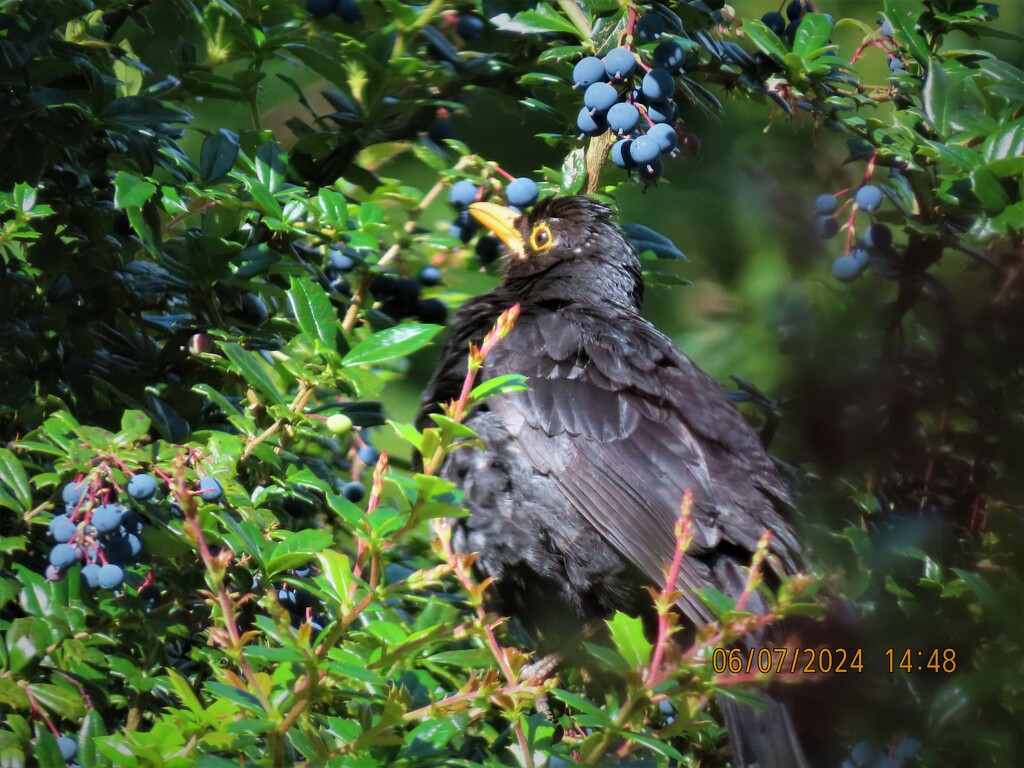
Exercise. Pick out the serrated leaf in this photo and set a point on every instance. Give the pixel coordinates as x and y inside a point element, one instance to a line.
<point>252,370</point>
<point>574,172</point>
<point>628,635</point>
<point>314,312</point>
<point>391,343</point>
<point>13,477</point>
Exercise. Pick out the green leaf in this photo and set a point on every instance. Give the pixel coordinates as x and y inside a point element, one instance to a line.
<point>582,705</point>
<point>659,746</point>
<point>252,371</point>
<point>297,549</point>
<point>134,426</point>
<point>337,571</point>
<point>218,155</point>
<point>131,191</point>
<point>812,35</point>
<point>765,39</point>
<point>905,32</point>
<point>314,312</point>
<point>543,18</point>
<point>990,190</point>
<point>510,382</point>
<point>333,208</point>
<point>391,343</point>
<point>628,635</point>
<point>574,171</point>
<point>13,477</point>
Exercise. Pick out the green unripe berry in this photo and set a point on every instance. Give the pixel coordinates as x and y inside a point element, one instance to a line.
<point>339,423</point>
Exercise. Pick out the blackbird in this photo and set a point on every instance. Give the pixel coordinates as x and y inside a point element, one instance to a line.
<point>574,502</point>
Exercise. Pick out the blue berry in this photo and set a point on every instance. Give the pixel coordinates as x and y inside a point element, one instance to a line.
<point>111,576</point>
<point>91,575</point>
<point>432,311</point>
<point>119,549</point>
<point>665,135</point>
<point>790,34</point>
<point>669,56</point>
<point>886,28</point>
<point>522,192</point>
<point>651,26</point>
<point>470,27</point>
<point>368,455</point>
<point>650,172</point>
<point>287,599</point>
<point>107,518</point>
<point>774,21</point>
<point>825,204</point>
<point>621,156</point>
<point>826,227</point>
<point>795,10</point>
<point>895,64</point>
<point>661,111</point>
<point>62,529</point>
<point>623,118</point>
<point>210,489</point>
<point>430,276</point>
<point>319,8</point>
<point>488,249</point>
<point>54,574</point>
<point>74,493</point>
<point>150,597</point>
<point>658,84</point>
<point>590,125</point>
<point>342,262</point>
<point>587,72</point>
<point>619,63</point>
<point>878,236</point>
<point>599,98</point>
<point>860,256</point>
<point>644,150</point>
<point>353,491</point>
<point>462,194</point>
<point>67,747</point>
<point>846,269</point>
<point>440,130</point>
<point>142,487</point>
<point>348,10</point>
<point>868,198</point>
<point>63,556</point>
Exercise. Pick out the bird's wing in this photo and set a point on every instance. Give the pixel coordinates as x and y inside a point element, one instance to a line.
<point>624,424</point>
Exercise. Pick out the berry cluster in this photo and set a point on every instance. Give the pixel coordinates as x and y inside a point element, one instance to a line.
<point>399,297</point>
<point>643,114</point>
<point>301,604</point>
<point>99,530</point>
<point>346,10</point>
<point>520,194</point>
<point>876,240</point>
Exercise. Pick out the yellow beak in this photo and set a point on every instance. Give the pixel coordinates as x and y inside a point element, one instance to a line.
<point>501,221</point>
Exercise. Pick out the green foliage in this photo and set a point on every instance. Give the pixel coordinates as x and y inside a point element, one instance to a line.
<point>170,302</point>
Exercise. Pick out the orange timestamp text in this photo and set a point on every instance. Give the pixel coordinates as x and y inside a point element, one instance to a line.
<point>795,661</point>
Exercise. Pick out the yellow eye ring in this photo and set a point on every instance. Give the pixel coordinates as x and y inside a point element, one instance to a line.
<point>540,238</point>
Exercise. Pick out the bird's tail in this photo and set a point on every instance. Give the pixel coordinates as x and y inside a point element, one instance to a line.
<point>762,736</point>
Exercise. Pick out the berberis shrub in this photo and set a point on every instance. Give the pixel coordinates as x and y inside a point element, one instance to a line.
<point>226,252</point>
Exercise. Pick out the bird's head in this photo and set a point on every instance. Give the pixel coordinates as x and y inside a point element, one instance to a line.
<point>565,244</point>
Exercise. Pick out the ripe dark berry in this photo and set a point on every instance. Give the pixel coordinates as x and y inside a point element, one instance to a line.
<point>619,63</point>
<point>825,204</point>
<point>440,130</point>
<point>120,549</point>
<point>463,194</point>
<point>319,8</point>
<point>650,172</point>
<point>795,10</point>
<point>74,493</point>
<point>644,150</point>
<point>107,518</point>
<point>658,84</point>
<point>430,276</point>
<point>599,98</point>
<point>368,455</point>
<point>669,56</point>
<point>665,136</point>
<point>67,747</point>
<point>690,144</point>
<point>353,491</point>
<point>774,21</point>
<point>62,529</point>
<point>587,72</point>
<point>650,26</point>
<point>432,311</point>
<point>287,599</point>
<point>846,269</point>
<point>348,10</point>
<point>860,256</point>
<point>142,487</point>
<point>790,34</point>
<point>878,236</point>
<point>91,575</point>
<point>111,576</point>
<point>488,249</point>
<point>826,227</point>
<point>661,111</point>
<point>623,118</point>
<point>131,521</point>
<point>63,556</point>
<point>589,124</point>
<point>470,27</point>
<point>522,192</point>
<point>868,198</point>
<point>150,597</point>
<point>621,156</point>
<point>210,489</point>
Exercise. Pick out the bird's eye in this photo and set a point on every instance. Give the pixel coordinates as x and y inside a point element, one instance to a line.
<point>540,238</point>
